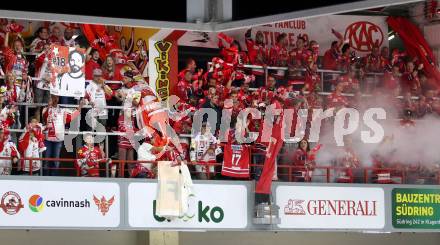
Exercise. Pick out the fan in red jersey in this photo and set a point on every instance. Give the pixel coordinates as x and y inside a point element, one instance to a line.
<point>14,59</point>
<point>191,66</point>
<point>267,93</point>
<point>233,53</point>
<point>258,54</point>
<point>237,156</point>
<point>349,80</point>
<point>336,99</point>
<point>347,163</point>
<point>374,61</point>
<point>304,161</point>
<point>410,81</point>
<point>313,79</point>
<point>90,156</point>
<point>279,55</point>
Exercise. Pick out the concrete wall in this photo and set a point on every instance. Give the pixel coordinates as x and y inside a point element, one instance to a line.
<point>306,238</point>
<point>61,237</point>
<point>54,237</point>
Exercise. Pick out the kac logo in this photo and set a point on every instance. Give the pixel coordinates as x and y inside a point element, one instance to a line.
<point>36,203</point>
<point>364,35</point>
<point>11,203</point>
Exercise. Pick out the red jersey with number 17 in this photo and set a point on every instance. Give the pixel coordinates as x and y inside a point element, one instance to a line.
<point>236,160</point>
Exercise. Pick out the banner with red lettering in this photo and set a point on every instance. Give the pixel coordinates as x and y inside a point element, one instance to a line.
<point>318,207</point>
<point>362,32</point>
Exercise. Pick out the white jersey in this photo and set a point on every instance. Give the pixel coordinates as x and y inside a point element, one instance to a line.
<point>56,119</point>
<point>144,154</point>
<point>44,75</point>
<point>96,94</point>
<point>9,149</point>
<point>130,93</point>
<point>32,151</point>
<point>201,144</point>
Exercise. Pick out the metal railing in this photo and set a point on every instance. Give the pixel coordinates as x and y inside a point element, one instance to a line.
<point>285,172</point>
<point>322,73</point>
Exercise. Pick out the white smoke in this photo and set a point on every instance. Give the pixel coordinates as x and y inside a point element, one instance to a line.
<point>405,145</point>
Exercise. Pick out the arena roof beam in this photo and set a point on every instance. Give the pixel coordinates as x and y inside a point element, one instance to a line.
<point>309,13</point>
<point>205,26</point>
<point>83,19</point>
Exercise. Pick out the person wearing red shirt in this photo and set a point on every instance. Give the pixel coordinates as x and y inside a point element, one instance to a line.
<point>55,35</point>
<point>297,60</point>
<point>373,61</point>
<point>181,117</point>
<point>303,162</point>
<point>92,62</point>
<point>110,73</point>
<point>344,61</point>
<point>237,155</point>
<point>279,55</point>
<point>313,79</point>
<point>221,90</point>
<point>349,80</point>
<point>347,163</point>
<point>191,66</point>
<point>331,57</point>
<point>391,80</point>
<point>297,56</point>
<point>397,58</point>
<point>410,81</point>
<point>267,93</point>
<point>336,99</point>
<point>313,54</point>
<point>258,54</point>
<point>232,54</point>
<point>385,58</point>
<point>184,86</point>
<point>41,39</point>
<point>15,61</point>
<point>89,157</point>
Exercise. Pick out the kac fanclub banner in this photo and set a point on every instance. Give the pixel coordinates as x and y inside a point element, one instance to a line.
<point>59,204</point>
<point>318,207</point>
<point>213,206</point>
<point>362,32</point>
<point>67,67</point>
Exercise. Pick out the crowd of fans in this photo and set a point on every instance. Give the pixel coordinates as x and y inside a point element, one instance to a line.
<point>227,83</point>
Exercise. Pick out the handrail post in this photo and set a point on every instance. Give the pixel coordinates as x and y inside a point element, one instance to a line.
<point>122,169</point>
<point>365,175</point>
<point>23,161</point>
<point>289,172</point>
<point>327,173</point>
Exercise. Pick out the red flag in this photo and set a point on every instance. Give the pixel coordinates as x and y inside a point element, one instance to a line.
<point>415,44</point>
<point>93,33</point>
<point>264,184</point>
